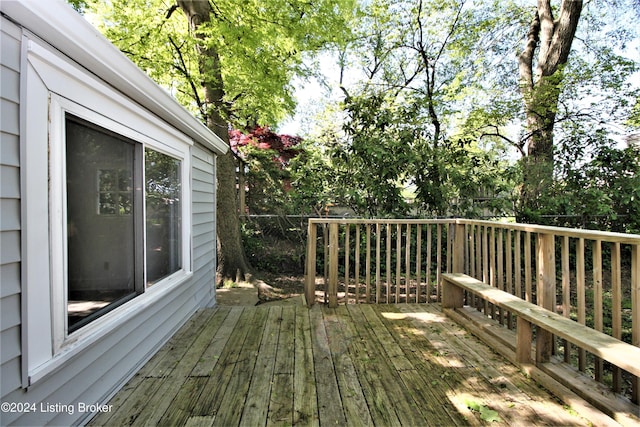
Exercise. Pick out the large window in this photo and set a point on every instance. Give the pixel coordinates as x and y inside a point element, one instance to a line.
<point>107,262</point>
<point>106,206</point>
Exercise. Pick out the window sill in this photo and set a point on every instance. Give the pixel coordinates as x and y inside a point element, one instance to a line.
<point>78,342</point>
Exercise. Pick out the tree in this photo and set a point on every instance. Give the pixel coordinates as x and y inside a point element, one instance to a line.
<point>563,102</point>
<point>268,156</point>
<point>540,83</point>
<point>232,261</point>
<point>230,64</point>
<point>417,61</point>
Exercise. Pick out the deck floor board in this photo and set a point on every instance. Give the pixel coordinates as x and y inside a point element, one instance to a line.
<point>391,364</point>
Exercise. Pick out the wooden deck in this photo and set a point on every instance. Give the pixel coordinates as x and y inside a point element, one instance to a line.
<point>384,365</point>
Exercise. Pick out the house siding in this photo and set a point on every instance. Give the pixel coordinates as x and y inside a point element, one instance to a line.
<point>10,349</point>
<point>95,374</point>
<point>203,183</point>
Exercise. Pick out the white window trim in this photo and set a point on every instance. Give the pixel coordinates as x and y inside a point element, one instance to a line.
<point>52,87</point>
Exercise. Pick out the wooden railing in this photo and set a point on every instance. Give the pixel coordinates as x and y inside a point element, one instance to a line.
<point>591,277</point>
<point>376,261</point>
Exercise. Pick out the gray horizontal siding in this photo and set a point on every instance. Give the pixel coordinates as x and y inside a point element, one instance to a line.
<point>10,279</point>
<point>9,149</point>
<point>203,211</point>
<point>10,342</point>
<point>9,182</point>
<point>10,287</point>
<point>10,83</point>
<point>9,247</point>
<point>102,369</point>
<point>10,43</point>
<point>10,307</point>
<point>11,381</point>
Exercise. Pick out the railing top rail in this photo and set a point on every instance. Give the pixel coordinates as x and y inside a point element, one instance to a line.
<point>632,239</point>
<point>378,221</point>
<point>608,236</point>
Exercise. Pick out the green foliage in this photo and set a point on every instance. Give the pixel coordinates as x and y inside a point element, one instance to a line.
<point>373,160</point>
<point>261,45</point>
<point>603,193</point>
<point>486,414</point>
<point>397,151</point>
<point>267,156</point>
<point>431,102</point>
<point>634,117</point>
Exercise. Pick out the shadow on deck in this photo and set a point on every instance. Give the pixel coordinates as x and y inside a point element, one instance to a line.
<point>402,364</point>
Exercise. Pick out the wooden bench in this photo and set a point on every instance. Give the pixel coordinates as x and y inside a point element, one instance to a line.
<point>619,353</point>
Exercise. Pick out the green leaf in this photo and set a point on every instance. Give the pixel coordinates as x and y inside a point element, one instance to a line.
<point>486,414</point>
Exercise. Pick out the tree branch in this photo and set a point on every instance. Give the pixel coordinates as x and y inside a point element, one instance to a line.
<point>496,133</point>
<point>185,71</point>
<point>525,60</point>
<point>564,30</point>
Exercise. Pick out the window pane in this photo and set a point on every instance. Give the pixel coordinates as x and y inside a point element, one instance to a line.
<point>163,215</point>
<point>101,242</point>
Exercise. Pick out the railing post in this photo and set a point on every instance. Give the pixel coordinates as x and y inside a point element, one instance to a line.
<point>545,292</point>
<point>458,249</point>
<point>310,279</point>
<point>523,340</point>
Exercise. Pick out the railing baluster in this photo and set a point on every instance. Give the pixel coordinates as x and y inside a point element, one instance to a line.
<point>378,261</point>
<point>418,262</point>
<point>566,292</point>
<point>407,264</point>
<point>518,264</point>
<point>449,250</point>
<point>438,260</point>
<point>581,297</point>
<point>492,265</point>
<point>428,267</point>
<point>509,271</point>
<point>471,300</point>
<point>389,263</point>
<point>357,262</point>
<point>479,257</point>
<point>333,264</point>
<point>472,251</point>
<point>597,301</point>
<point>398,260</point>
<point>325,240</point>
<point>635,314</point>
<point>527,268</point>
<point>346,260</point>
<point>367,273</point>
<point>500,268</point>
<point>509,261</point>
<point>616,312</point>
<point>485,263</point>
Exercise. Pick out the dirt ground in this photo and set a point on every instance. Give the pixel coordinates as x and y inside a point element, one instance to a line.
<point>267,288</point>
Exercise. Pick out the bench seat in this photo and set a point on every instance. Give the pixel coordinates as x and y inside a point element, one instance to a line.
<point>619,353</point>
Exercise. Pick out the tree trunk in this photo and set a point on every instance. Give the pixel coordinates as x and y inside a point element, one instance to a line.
<point>232,262</point>
<point>540,88</point>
